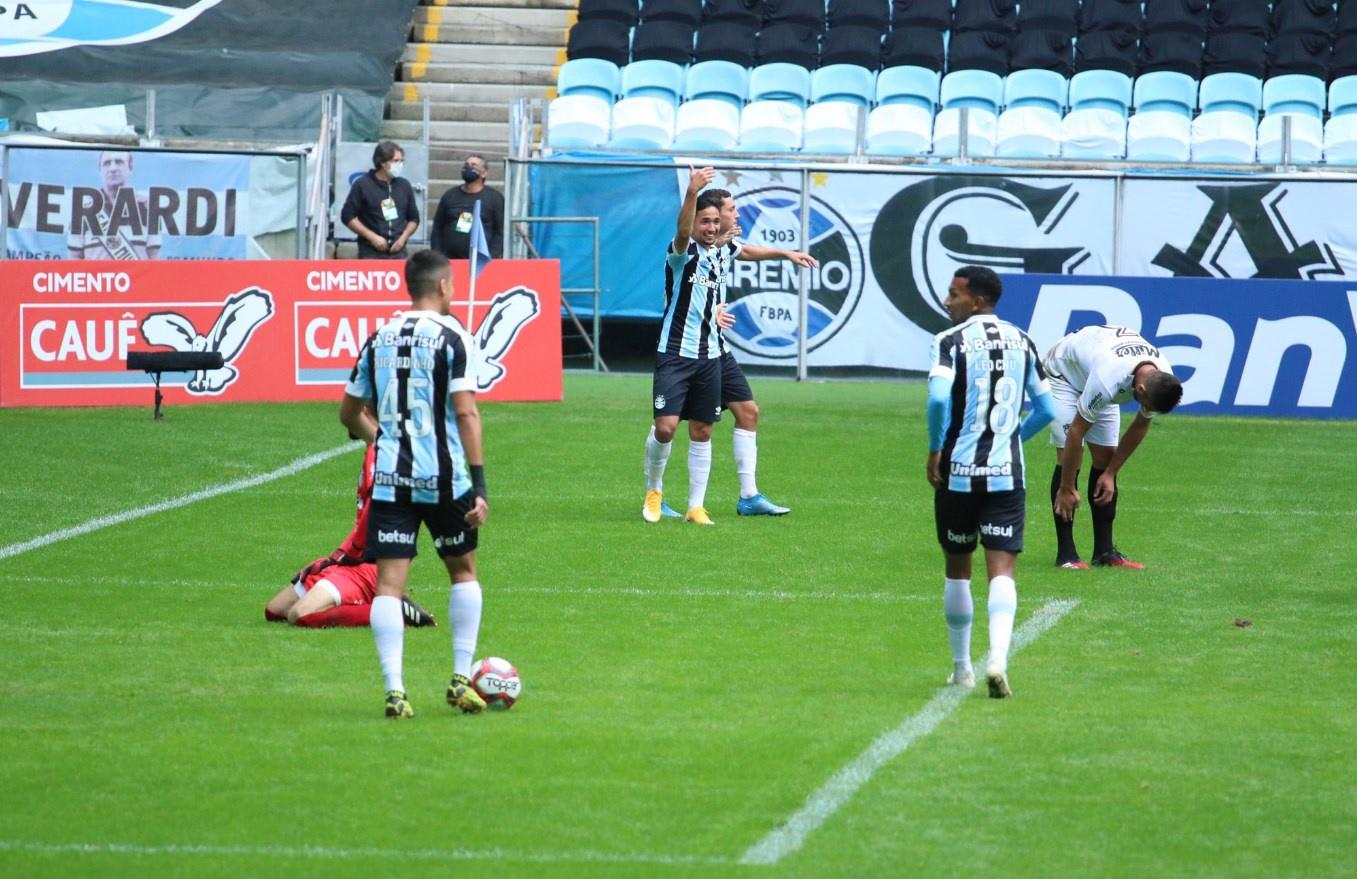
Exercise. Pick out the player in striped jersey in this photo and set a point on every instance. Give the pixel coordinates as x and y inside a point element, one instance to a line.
<point>687,383</point>
<point>414,371</point>
<point>1093,372</point>
<point>981,370</point>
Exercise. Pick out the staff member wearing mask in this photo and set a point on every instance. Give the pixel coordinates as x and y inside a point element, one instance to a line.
<point>381,207</point>
<point>452,219</point>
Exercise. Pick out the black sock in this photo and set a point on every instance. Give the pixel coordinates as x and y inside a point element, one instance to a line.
<point>1065,550</point>
<point>1103,515</point>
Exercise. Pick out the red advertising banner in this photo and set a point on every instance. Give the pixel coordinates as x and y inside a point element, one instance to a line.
<point>287,330</point>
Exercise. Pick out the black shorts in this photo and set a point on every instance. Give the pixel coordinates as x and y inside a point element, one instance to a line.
<point>997,517</point>
<point>394,527</point>
<point>687,387</point>
<point>734,386</point>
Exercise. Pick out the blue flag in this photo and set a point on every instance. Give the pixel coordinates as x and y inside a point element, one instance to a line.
<point>479,243</point>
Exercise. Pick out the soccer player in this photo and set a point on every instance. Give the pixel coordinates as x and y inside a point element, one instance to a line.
<point>337,590</point>
<point>415,372</point>
<point>117,226</point>
<point>1092,372</point>
<point>981,370</point>
<point>688,381</point>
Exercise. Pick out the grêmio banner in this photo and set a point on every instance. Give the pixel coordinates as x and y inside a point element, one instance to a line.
<point>287,330</point>
<point>1241,347</point>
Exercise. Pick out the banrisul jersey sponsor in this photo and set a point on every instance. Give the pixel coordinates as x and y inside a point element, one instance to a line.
<point>992,365</point>
<point>409,369</point>
<point>694,284</point>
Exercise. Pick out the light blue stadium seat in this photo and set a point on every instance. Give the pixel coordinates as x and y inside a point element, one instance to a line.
<point>1044,89</point>
<point>1166,91</point>
<point>780,81</point>
<point>653,79</point>
<point>832,127</point>
<point>1297,101</point>
<point>917,86</point>
<point>589,76</point>
<point>843,82</point>
<point>1294,93</point>
<point>578,121</point>
<point>1100,90</point>
<point>706,124</point>
<point>718,81</point>
<point>1095,126</point>
<point>980,92</point>
<point>1340,132</point>
<point>1237,92</point>
<point>1226,130</point>
<point>1343,96</point>
<point>1029,127</point>
<point>975,89</point>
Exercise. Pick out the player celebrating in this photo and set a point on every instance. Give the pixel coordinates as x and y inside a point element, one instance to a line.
<point>688,381</point>
<point>980,371</point>
<point>1093,371</point>
<point>337,590</point>
<point>428,469</point>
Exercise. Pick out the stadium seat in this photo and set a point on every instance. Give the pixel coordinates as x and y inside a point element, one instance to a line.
<point>1302,99</point>
<point>831,127</point>
<point>912,15</point>
<point>917,86</point>
<point>780,82</point>
<point>745,13</point>
<point>914,48</point>
<point>590,76</point>
<point>1095,126</point>
<point>900,129</point>
<point>707,124</point>
<point>788,43</point>
<point>1340,132</point>
<point>1232,52</point>
<point>1227,128</point>
<point>1172,51</point>
<point>718,81</point>
<point>873,14</point>
<point>1000,16</point>
<point>1176,17</point>
<point>1060,16</point>
<point>1161,129</point>
<point>842,82</point>
<point>667,41</point>
<point>977,89</point>
<point>1114,50</point>
<point>1238,16</point>
<point>578,121</point>
<point>851,44</point>
<point>1029,127</point>
<point>810,13</point>
<point>1110,16</point>
<point>725,41</point>
<point>1304,17</point>
<point>686,12</point>
<point>1042,50</point>
<point>771,126</point>
<point>645,123</point>
<point>625,11</point>
<point>653,79</point>
<point>979,50</point>
<point>600,38</point>
<point>980,92</point>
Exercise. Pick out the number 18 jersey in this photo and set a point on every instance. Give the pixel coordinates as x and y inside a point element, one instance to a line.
<point>409,369</point>
<point>992,366</point>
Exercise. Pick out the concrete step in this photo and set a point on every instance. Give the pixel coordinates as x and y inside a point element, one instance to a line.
<point>495,74</point>
<point>518,35</point>
<point>469,53</point>
<point>441,111</point>
<point>450,92</point>
<point>515,4</point>
<point>480,132</point>
<point>492,16</point>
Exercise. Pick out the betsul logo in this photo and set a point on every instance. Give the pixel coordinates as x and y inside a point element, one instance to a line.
<point>764,296</point>
<point>240,316</point>
<point>38,26</point>
<point>925,232</point>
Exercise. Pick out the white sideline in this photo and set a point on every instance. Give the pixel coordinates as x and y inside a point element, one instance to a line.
<point>211,491</point>
<point>842,785</point>
<point>279,851</point>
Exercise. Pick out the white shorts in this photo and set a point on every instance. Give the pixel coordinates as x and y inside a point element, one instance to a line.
<point>1106,431</point>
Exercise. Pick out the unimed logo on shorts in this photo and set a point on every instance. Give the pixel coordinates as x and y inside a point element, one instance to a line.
<point>764,296</point>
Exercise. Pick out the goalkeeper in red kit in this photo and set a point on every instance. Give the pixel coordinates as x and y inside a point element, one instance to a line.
<point>337,589</point>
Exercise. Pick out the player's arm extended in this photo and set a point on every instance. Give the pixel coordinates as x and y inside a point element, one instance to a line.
<point>1043,411</point>
<point>754,253</point>
<point>354,415</point>
<point>939,413</point>
<point>1129,442</point>
<point>469,430</point>
<point>688,211</point>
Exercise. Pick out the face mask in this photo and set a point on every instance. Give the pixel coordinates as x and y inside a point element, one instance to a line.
<point>470,174</point>
<point>397,168</point>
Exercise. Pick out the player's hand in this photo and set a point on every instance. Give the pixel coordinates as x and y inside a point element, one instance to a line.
<point>1105,489</point>
<point>934,471</point>
<point>476,516</point>
<point>724,319</point>
<point>701,179</point>
<point>313,568</point>
<point>730,236</point>
<point>803,259</point>
<point>380,245</point>
<point>1066,502</point>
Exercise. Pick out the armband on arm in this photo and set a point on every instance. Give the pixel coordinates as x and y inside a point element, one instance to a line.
<point>478,481</point>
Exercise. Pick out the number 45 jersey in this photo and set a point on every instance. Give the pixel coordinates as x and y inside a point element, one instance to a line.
<point>993,368</point>
<point>409,369</point>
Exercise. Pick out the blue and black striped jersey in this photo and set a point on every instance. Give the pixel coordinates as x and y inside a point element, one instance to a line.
<point>694,284</point>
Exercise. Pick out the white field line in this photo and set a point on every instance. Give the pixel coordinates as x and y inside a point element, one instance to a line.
<point>184,500</point>
<point>842,785</point>
<point>321,852</point>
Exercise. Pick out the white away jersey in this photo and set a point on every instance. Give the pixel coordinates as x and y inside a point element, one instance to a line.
<point>1099,363</point>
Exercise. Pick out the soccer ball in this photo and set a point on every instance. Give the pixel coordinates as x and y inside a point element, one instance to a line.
<point>497,681</point>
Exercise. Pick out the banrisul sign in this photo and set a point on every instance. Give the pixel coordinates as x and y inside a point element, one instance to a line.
<point>38,26</point>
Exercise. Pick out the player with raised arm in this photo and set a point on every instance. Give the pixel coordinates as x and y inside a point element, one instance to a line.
<point>337,589</point>
<point>416,373</point>
<point>981,370</point>
<point>1093,371</point>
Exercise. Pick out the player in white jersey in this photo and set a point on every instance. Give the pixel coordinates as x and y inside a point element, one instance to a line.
<point>1093,372</point>
<point>981,370</point>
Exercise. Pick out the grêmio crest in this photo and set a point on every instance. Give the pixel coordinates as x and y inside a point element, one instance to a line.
<point>37,26</point>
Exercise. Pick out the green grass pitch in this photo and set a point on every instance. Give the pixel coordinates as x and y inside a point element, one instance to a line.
<point>687,689</point>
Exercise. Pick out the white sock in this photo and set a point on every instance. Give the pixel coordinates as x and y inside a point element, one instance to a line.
<point>464,611</point>
<point>388,633</point>
<point>699,469</point>
<point>1003,605</point>
<point>746,460</point>
<point>657,456</point>
<point>959,612</point>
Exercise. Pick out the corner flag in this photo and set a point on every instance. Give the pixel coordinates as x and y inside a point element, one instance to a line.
<point>480,245</point>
